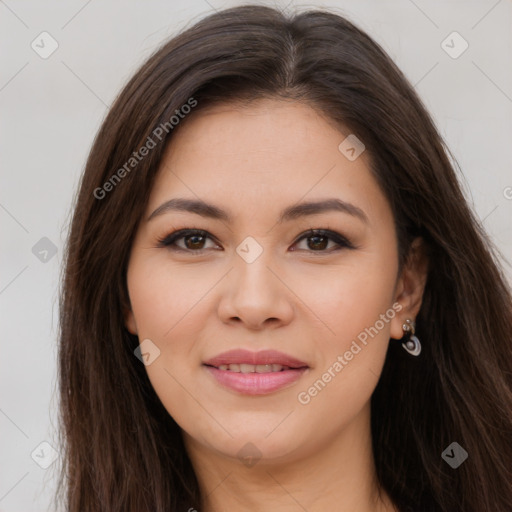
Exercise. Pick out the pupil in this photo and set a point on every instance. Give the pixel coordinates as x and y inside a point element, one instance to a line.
<point>323,245</point>
<point>194,244</point>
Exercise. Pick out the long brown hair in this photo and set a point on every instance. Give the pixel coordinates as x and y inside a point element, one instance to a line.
<point>122,450</point>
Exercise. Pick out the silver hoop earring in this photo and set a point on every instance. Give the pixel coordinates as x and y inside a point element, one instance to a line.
<point>412,343</point>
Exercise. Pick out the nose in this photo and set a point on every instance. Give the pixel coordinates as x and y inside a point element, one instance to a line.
<point>256,294</point>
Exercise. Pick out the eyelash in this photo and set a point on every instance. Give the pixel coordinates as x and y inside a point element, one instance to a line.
<point>169,240</point>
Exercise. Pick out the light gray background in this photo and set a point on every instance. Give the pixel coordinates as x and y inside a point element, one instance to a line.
<point>51,109</point>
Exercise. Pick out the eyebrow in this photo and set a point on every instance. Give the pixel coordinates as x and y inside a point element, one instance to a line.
<point>204,209</point>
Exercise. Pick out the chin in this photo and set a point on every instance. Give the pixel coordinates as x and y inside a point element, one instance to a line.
<point>253,440</point>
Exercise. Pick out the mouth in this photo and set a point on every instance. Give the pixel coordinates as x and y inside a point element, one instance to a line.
<point>255,373</point>
<point>254,368</point>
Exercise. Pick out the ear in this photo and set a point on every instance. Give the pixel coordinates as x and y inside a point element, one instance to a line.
<point>410,286</point>
<point>129,318</point>
<point>129,321</point>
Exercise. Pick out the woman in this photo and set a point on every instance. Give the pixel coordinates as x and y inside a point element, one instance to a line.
<point>275,295</point>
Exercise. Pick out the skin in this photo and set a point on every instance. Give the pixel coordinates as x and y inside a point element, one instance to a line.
<point>253,161</point>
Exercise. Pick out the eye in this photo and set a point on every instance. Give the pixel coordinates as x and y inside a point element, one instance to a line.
<point>320,240</point>
<point>194,240</point>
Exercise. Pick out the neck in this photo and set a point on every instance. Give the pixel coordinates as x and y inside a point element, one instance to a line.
<point>338,475</point>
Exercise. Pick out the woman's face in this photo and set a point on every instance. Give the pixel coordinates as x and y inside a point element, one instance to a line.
<point>261,332</point>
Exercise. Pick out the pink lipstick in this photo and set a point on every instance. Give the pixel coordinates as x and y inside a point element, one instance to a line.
<point>255,373</point>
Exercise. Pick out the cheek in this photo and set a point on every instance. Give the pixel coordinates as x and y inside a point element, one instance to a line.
<point>350,298</point>
<point>355,304</point>
<point>164,298</point>
<point>166,303</point>
<point>361,299</point>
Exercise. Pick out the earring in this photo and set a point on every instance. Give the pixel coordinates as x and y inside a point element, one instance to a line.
<point>412,343</point>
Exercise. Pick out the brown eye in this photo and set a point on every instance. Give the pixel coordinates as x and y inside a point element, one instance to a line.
<point>317,240</point>
<point>194,240</point>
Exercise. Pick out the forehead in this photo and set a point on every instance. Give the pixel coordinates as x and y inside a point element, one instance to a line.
<point>268,152</point>
<point>265,126</point>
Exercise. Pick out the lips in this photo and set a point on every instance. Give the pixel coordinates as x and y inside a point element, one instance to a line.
<point>264,357</point>
<point>255,373</point>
